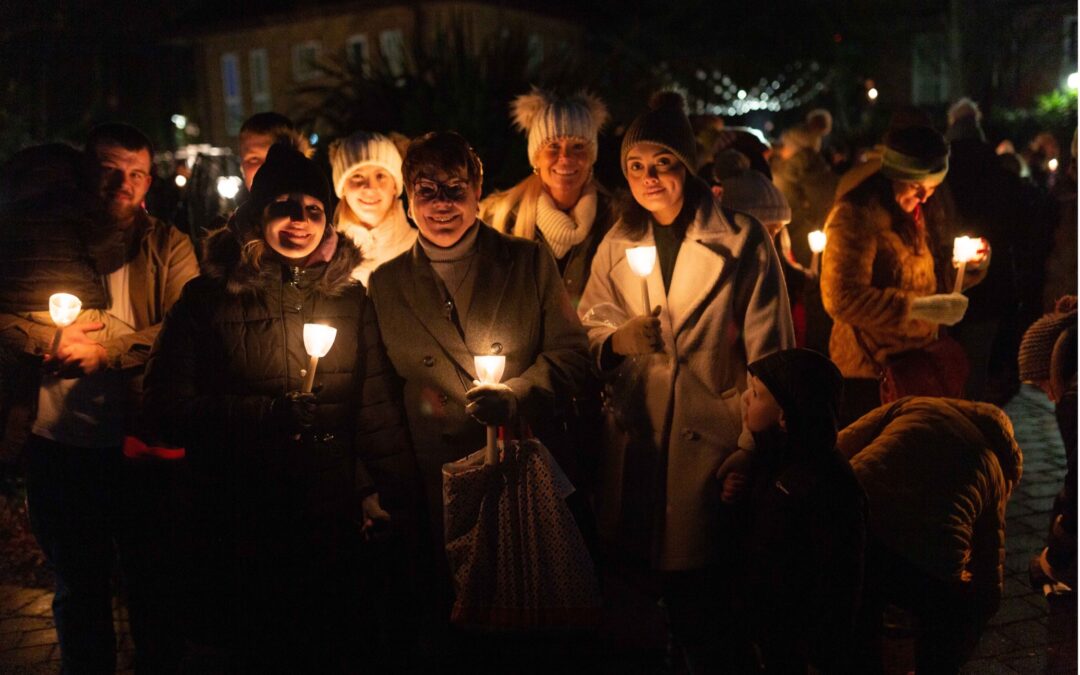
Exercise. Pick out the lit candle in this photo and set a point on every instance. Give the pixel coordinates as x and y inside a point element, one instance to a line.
<point>63,308</point>
<point>642,259</point>
<point>965,249</point>
<point>318,340</point>
<point>489,370</point>
<point>817,245</point>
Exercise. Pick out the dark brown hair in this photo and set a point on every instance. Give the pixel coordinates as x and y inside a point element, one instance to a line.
<point>119,134</point>
<point>445,151</point>
<point>636,218</point>
<point>877,188</point>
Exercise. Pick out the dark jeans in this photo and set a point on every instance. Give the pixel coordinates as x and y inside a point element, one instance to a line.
<point>89,507</point>
<point>706,620</point>
<point>948,616</point>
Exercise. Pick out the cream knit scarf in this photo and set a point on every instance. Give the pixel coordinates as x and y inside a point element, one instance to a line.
<point>387,240</point>
<point>564,230</point>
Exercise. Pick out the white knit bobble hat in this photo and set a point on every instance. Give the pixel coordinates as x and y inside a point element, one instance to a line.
<point>545,117</point>
<point>361,149</point>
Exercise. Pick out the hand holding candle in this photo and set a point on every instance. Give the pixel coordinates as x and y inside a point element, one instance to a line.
<point>817,241</point>
<point>642,259</point>
<point>489,371</point>
<point>318,340</point>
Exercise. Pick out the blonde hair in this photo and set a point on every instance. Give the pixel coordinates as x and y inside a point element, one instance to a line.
<point>496,209</point>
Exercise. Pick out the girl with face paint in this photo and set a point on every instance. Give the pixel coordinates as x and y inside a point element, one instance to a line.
<point>286,481</point>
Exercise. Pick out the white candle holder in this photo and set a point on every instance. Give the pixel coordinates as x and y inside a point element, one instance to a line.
<point>489,370</point>
<point>64,308</point>
<point>965,249</point>
<point>318,339</point>
<point>642,260</point>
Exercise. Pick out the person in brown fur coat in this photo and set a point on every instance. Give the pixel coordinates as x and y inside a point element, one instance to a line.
<point>879,280</point>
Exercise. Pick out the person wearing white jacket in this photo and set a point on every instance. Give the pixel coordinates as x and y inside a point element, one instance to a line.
<point>718,302</point>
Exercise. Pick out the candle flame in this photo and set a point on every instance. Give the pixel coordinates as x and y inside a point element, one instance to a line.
<point>489,368</point>
<point>817,241</point>
<point>318,339</point>
<point>642,259</point>
<point>966,249</point>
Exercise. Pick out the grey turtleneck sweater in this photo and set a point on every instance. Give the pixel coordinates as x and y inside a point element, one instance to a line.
<point>454,267</point>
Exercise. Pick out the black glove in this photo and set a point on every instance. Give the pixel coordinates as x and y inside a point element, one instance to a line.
<point>294,412</point>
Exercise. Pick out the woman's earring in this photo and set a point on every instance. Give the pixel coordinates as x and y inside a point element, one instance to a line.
<point>536,171</point>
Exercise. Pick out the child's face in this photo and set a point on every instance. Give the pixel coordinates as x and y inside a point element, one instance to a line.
<point>760,409</point>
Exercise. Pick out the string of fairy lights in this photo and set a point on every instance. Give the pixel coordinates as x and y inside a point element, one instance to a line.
<point>717,93</point>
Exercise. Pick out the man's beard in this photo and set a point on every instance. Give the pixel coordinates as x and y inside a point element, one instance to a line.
<point>110,242</point>
<point>122,212</point>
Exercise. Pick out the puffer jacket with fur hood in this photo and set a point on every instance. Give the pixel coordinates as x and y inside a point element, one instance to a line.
<point>937,475</point>
<point>234,342</point>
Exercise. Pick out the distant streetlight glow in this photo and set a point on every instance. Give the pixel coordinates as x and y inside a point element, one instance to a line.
<point>1073,81</point>
<point>872,93</point>
<point>742,94</point>
<point>179,121</point>
<point>1052,165</point>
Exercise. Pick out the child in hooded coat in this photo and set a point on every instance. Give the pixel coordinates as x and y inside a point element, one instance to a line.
<point>804,563</point>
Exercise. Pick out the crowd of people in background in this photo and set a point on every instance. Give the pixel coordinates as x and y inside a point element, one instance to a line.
<point>767,443</point>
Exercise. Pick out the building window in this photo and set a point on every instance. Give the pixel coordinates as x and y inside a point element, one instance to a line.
<point>357,53</point>
<point>392,46</point>
<point>259,65</point>
<point>929,69</point>
<point>234,103</point>
<point>305,59</point>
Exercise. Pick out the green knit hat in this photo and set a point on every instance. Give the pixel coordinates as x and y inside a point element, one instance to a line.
<point>915,153</point>
<point>664,124</point>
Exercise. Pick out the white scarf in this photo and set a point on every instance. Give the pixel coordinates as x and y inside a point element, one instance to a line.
<point>564,230</point>
<point>387,240</point>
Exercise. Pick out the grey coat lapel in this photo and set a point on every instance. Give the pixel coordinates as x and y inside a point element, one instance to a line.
<point>493,272</point>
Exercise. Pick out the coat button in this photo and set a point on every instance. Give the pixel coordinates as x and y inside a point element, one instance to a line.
<point>690,435</point>
<point>429,361</point>
<point>496,348</point>
<point>298,307</point>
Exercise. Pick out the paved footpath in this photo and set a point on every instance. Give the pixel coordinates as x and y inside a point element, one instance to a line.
<point>1026,636</point>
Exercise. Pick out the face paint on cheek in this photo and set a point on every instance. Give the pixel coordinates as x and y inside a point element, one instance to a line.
<point>289,208</point>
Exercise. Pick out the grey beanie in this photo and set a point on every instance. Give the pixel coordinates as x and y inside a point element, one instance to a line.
<point>748,190</point>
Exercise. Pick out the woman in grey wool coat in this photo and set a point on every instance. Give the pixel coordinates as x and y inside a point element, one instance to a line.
<point>719,302</point>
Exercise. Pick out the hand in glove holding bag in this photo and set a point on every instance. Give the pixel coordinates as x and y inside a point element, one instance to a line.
<point>491,404</point>
<point>639,335</point>
<point>294,412</point>
<point>943,308</point>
